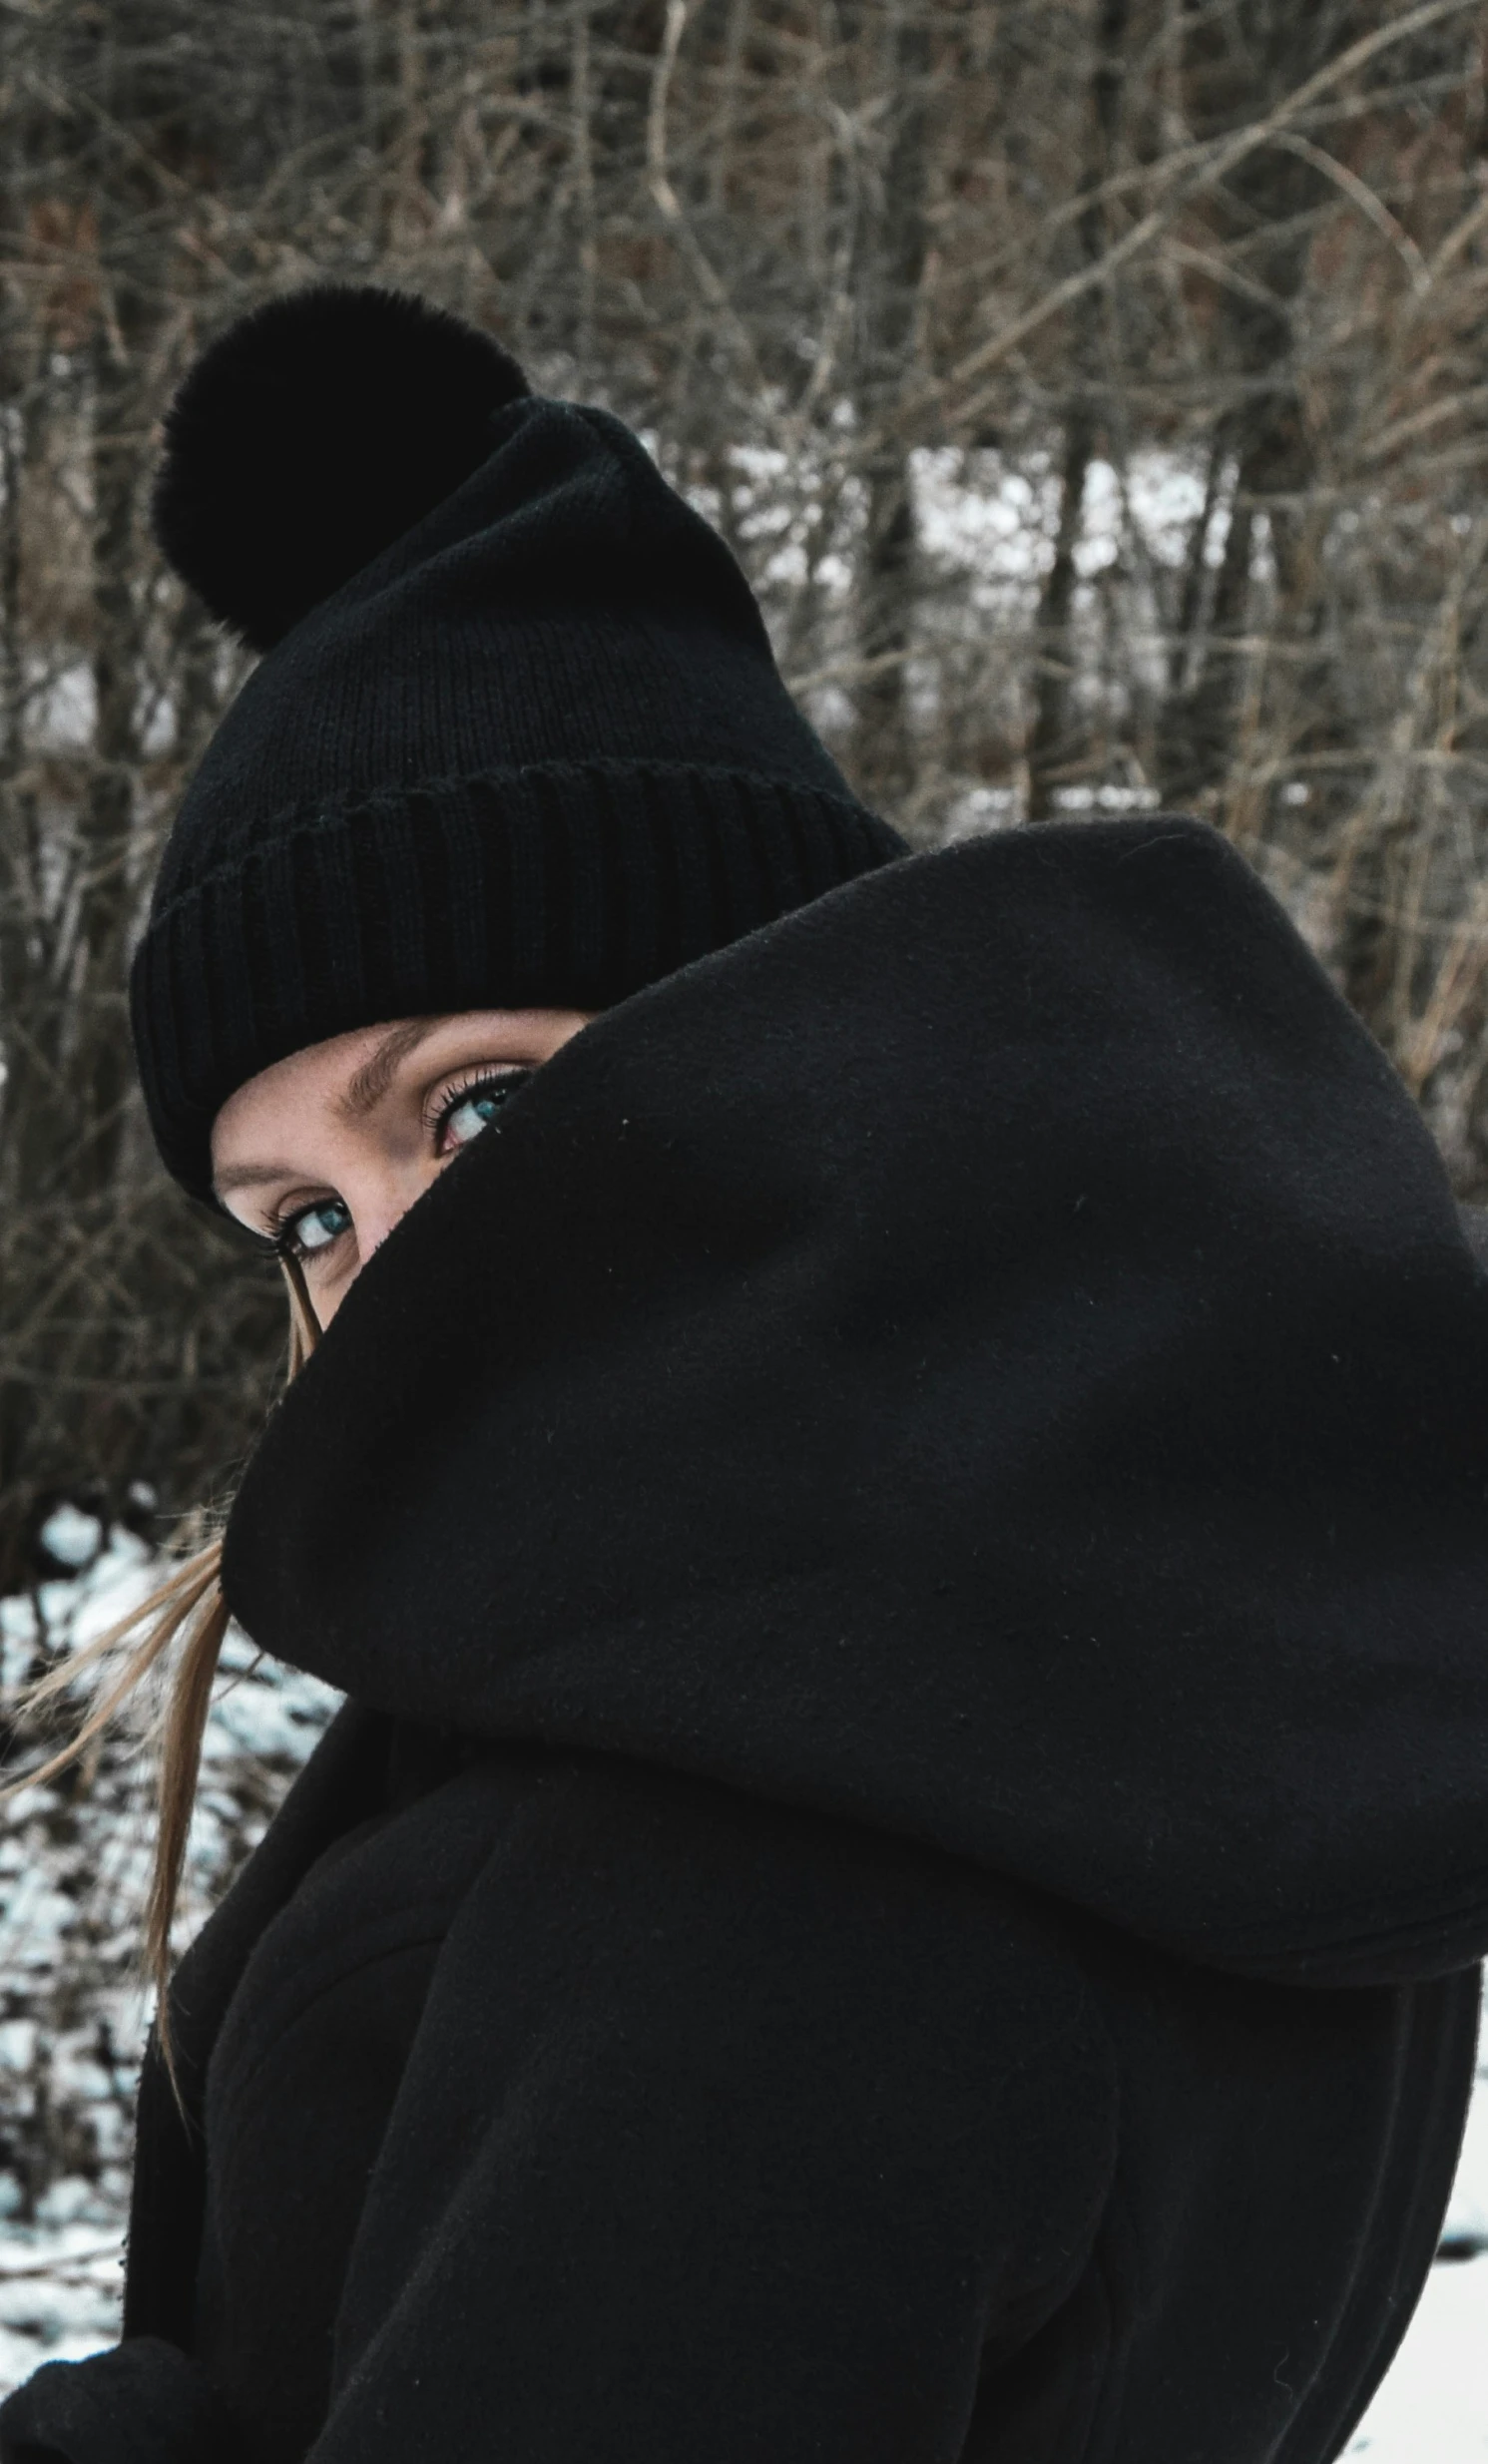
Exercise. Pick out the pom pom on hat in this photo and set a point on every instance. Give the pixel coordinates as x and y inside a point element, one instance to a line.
<point>310,436</point>
<point>531,749</point>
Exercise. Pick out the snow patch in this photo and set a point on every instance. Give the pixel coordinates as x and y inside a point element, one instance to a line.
<point>74,1864</point>
<point>72,1536</point>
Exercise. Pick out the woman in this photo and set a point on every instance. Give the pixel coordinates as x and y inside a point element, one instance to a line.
<point>906,1537</point>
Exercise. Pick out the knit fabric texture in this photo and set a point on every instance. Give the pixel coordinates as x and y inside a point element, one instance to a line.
<point>537,753</point>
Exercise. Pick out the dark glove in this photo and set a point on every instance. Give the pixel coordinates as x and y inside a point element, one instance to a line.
<point>142,2403</point>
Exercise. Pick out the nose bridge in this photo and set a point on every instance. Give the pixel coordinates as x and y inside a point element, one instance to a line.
<point>386,1188</point>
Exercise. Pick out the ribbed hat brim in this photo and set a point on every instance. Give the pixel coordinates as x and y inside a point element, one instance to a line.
<point>562,885</point>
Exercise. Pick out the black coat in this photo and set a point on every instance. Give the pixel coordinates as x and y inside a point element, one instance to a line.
<point>909,1535</point>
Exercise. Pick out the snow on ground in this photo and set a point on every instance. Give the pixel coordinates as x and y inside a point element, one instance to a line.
<point>59,2294</point>
<point>1433,2407</point>
<point>73,1867</point>
<point>72,2013</point>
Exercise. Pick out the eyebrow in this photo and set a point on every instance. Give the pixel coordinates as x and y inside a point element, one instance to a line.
<point>368,1085</point>
<point>250,1177</point>
<point>364,1090</point>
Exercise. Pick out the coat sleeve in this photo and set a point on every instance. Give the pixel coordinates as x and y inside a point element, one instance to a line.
<point>728,2131</point>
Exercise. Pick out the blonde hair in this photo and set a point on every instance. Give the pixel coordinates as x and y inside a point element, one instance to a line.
<point>189,1612</point>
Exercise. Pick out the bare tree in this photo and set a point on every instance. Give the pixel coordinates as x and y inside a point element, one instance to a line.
<point>1092,388</point>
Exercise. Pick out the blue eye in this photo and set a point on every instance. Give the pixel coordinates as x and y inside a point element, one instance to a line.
<point>469,1109</point>
<point>314,1227</point>
<point>469,1117</point>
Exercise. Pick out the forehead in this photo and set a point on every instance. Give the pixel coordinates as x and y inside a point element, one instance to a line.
<point>340,1082</point>
<point>317,1074</point>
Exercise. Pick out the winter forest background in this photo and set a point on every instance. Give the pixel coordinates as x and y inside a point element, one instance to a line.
<point>1097,392</point>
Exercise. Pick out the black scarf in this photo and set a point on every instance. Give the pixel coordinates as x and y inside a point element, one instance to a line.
<point>995,1355</point>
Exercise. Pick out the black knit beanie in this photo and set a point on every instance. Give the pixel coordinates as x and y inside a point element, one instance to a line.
<point>518,737</point>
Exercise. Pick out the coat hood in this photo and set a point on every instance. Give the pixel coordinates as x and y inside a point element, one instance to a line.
<point>993,1355</point>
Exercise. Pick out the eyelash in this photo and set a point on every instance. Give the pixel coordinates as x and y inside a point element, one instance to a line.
<point>473,1082</point>
<point>283,1238</point>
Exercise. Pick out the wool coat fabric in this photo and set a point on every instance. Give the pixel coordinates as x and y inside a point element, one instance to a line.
<point>908,1536</point>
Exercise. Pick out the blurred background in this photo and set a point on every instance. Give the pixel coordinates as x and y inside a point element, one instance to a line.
<point>1095,391</point>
